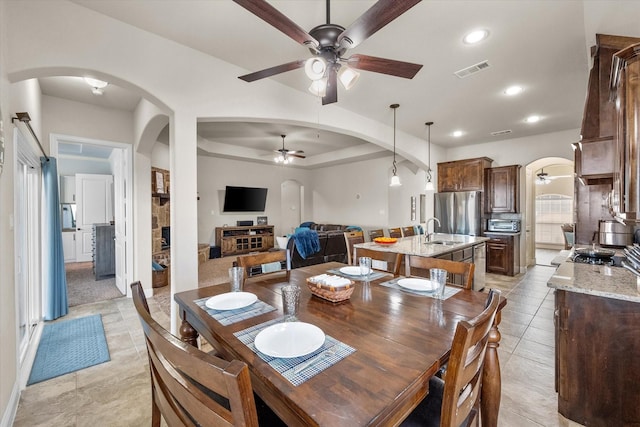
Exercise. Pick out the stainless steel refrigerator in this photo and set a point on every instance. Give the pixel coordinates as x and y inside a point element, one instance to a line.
<point>459,212</point>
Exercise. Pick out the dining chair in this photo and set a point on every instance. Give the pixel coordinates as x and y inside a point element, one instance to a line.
<point>408,231</point>
<point>190,387</point>
<point>395,232</point>
<point>458,273</point>
<point>265,263</point>
<point>568,234</point>
<point>379,232</point>
<point>386,261</point>
<point>454,400</point>
<point>351,238</point>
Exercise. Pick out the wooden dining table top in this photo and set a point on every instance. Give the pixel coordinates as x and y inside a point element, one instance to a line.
<point>401,340</point>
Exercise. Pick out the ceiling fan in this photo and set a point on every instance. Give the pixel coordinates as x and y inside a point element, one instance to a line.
<point>544,178</point>
<point>329,42</point>
<point>284,155</point>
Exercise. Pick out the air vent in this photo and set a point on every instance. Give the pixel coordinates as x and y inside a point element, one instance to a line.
<point>472,69</point>
<point>501,132</point>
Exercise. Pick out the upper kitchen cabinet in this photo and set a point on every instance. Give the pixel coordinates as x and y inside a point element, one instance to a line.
<point>594,159</point>
<point>462,175</point>
<point>67,189</point>
<point>501,189</point>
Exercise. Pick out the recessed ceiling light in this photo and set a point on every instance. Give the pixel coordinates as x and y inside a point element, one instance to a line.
<point>513,90</point>
<point>475,36</point>
<point>95,83</point>
<point>532,119</point>
<point>457,133</point>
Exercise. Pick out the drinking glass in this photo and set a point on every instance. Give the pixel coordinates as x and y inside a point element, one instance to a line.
<point>439,276</point>
<point>236,277</point>
<point>365,266</point>
<point>290,302</point>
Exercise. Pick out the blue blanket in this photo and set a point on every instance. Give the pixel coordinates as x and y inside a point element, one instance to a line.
<point>307,242</point>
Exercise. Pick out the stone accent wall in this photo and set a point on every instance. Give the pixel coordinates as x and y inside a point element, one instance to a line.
<point>160,208</point>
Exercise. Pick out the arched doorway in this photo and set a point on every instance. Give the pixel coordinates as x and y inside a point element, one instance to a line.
<point>549,204</point>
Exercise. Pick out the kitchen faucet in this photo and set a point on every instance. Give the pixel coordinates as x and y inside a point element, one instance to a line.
<point>428,236</point>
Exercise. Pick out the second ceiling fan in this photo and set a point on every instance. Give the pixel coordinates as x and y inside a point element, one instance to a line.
<point>329,42</point>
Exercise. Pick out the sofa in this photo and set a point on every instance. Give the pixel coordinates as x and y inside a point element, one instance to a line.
<point>333,246</point>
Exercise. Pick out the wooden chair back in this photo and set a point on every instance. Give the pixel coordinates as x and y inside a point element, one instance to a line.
<point>568,234</point>
<point>395,232</point>
<point>408,231</point>
<point>458,273</point>
<point>376,233</point>
<point>463,377</point>
<point>351,238</point>
<point>253,263</point>
<point>190,387</point>
<point>392,260</point>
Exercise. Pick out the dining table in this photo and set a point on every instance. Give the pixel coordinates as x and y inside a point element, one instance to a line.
<point>391,341</point>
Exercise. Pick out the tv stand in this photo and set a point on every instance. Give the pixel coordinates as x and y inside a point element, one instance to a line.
<point>242,240</point>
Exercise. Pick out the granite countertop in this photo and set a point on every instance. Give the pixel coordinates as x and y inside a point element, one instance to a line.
<point>415,245</point>
<point>598,280</point>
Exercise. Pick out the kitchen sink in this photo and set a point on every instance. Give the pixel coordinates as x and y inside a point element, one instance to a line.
<point>442,242</point>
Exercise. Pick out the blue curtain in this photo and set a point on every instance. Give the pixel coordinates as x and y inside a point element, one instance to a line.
<point>53,275</point>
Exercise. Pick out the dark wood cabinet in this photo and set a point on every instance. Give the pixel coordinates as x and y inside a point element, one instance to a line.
<point>502,189</point>
<point>597,369</point>
<point>242,240</point>
<point>596,158</point>
<point>104,251</point>
<point>501,254</point>
<point>462,175</point>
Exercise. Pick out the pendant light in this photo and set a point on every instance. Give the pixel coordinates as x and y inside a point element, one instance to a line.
<point>395,179</point>
<point>429,185</point>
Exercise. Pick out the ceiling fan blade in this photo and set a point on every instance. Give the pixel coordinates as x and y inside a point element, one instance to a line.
<point>268,72</point>
<point>278,20</point>
<point>332,88</point>
<point>379,15</point>
<point>295,151</point>
<point>300,156</point>
<point>385,66</point>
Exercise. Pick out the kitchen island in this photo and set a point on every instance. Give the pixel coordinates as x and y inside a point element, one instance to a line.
<point>455,247</point>
<point>597,328</point>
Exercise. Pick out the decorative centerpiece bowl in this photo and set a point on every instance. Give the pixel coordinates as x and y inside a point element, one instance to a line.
<point>385,240</point>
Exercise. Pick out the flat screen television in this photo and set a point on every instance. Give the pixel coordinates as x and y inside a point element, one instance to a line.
<point>244,199</point>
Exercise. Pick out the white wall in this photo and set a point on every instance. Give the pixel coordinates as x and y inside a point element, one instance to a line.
<point>160,156</point>
<point>214,174</point>
<point>520,151</point>
<point>65,117</point>
<point>24,96</point>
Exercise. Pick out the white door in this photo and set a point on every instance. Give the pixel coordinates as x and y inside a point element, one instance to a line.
<point>94,200</point>
<point>119,211</point>
<point>291,205</point>
<point>27,193</point>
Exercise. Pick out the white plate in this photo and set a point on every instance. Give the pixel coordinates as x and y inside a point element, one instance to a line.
<point>423,285</point>
<point>231,300</point>
<point>289,339</point>
<point>351,271</point>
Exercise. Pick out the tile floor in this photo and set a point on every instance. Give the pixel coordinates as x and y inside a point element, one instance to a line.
<point>117,393</point>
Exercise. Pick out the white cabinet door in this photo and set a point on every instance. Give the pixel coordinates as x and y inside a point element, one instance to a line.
<point>67,189</point>
<point>94,196</point>
<point>69,246</point>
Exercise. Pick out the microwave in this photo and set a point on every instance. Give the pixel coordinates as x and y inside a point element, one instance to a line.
<point>503,225</point>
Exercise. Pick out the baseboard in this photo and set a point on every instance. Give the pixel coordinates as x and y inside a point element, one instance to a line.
<point>12,407</point>
<point>27,363</point>
<point>24,370</point>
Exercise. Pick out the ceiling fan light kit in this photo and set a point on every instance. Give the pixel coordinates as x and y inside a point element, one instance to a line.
<point>329,42</point>
<point>285,156</point>
<point>315,68</point>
